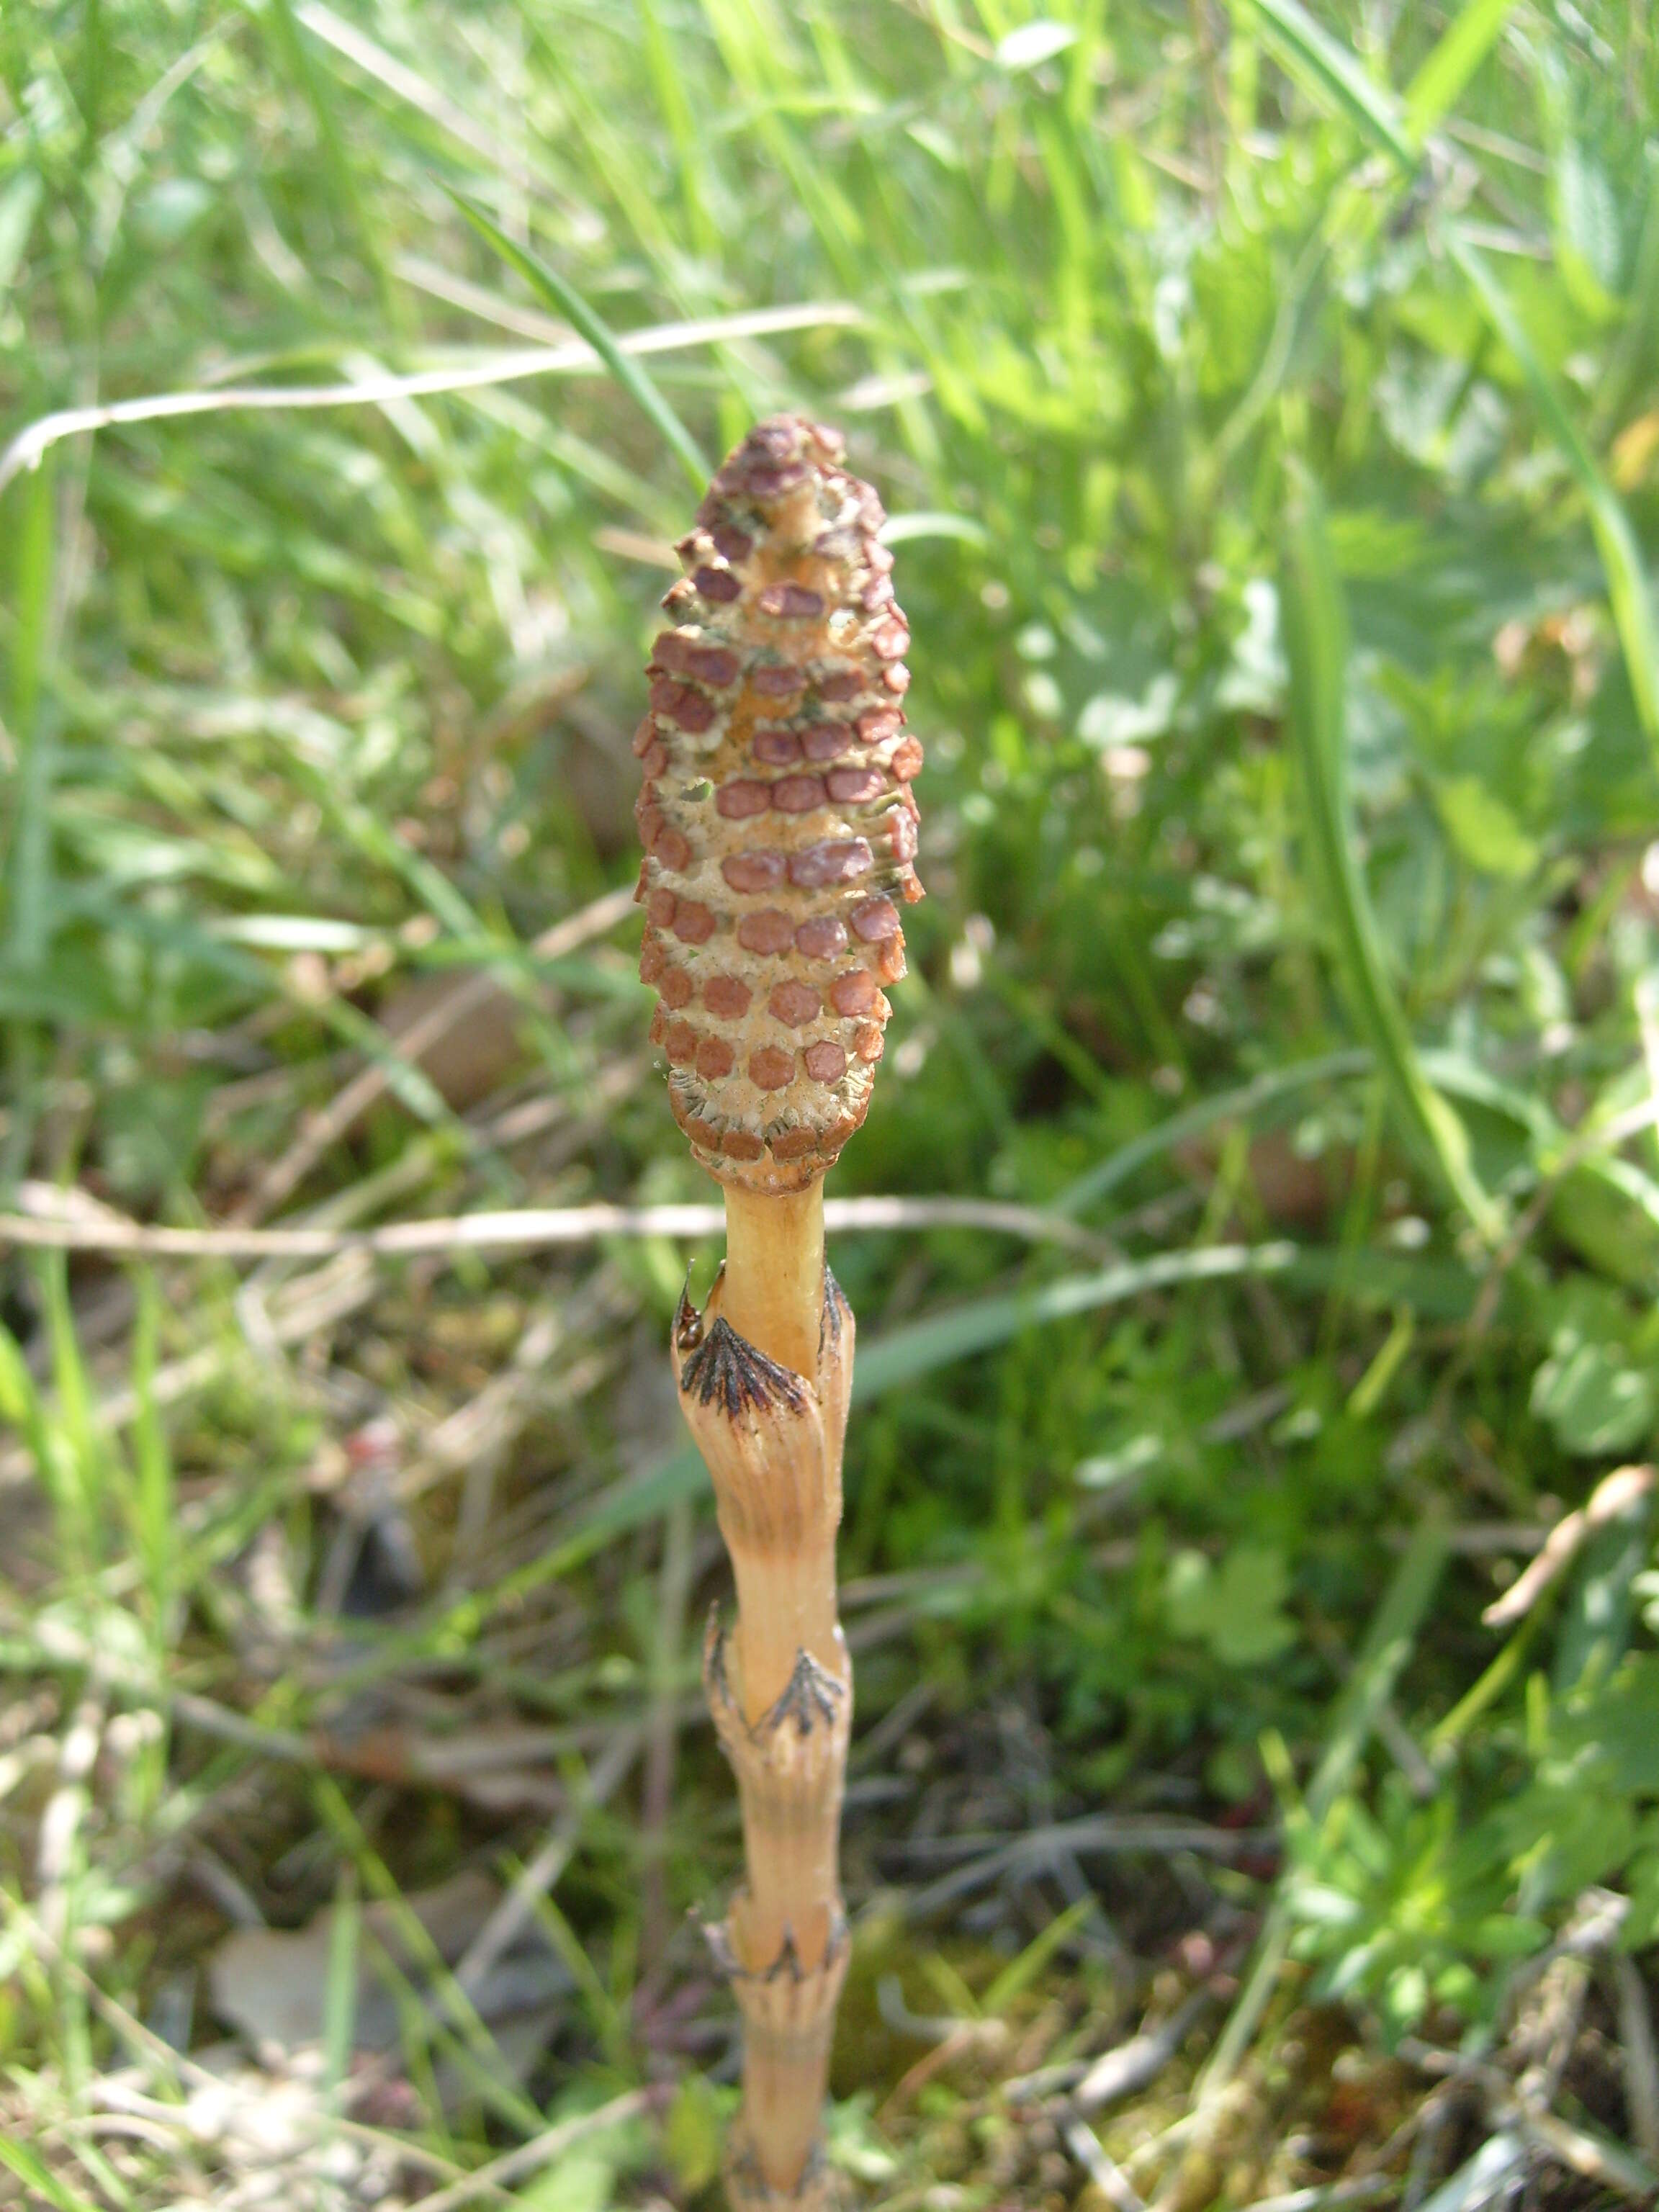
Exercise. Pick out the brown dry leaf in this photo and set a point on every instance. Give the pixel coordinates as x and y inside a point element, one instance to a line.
<point>271,1983</point>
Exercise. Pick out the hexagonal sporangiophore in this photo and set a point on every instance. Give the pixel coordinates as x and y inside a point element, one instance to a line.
<point>775,811</point>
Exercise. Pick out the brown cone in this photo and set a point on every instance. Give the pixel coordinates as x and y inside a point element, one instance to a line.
<point>777,810</point>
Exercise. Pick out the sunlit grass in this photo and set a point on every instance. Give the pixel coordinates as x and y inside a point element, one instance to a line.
<point>1266,400</point>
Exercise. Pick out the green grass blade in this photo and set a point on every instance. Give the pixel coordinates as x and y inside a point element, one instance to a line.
<point>1628,589</point>
<point>22,1411</point>
<point>1335,72</point>
<point>904,1354</point>
<point>285,34</point>
<point>39,2177</point>
<point>340,1991</point>
<point>1389,1643</point>
<point>1017,1976</point>
<point>554,292</point>
<point>32,570</point>
<point>1238,1104</point>
<point>84,1441</point>
<point>760,58</point>
<point>26,873</point>
<point>904,529</point>
<point>1639,339</point>
<point>156,1536</point>
<point>19,202</point>
<point>1315,629</point>
<point>674,104</point>
<point>1458,54</point>
<point>451,2016</point>
<point>1310,52</point>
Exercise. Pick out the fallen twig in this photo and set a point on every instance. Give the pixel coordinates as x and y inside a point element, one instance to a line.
<point>1107,2176</point>
<point>539,1875</point>
<point>1040,1845</point>
<point>1596,2157</point>
<point>576,355</point>
<point>540,2151</point>
<point>56,1221</point>
<point>1126,2070</point>
<point>1641,2057</point>
<point>1325,2197</point>
<point>157,2057</point>
<point>1611,1497</point>
<point>309,1305</point>
<point>321,1130</point>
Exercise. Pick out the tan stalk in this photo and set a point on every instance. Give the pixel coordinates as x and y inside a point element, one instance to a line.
<point>779,830</point>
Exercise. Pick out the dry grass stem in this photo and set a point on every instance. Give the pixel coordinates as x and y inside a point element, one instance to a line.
<point>72,1221</point>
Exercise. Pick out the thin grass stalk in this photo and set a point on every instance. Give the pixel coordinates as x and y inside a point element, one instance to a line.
<point>779,830</point>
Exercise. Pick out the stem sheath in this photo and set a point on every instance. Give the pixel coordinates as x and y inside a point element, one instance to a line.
<point>765,1390</point>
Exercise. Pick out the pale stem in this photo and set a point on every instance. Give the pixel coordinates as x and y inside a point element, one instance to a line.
<point>773,1291</point>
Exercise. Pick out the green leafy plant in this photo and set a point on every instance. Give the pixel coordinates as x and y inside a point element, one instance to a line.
<point>1265,400</point>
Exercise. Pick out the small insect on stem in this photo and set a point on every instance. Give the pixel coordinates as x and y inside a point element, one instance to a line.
<point>688,1321</point>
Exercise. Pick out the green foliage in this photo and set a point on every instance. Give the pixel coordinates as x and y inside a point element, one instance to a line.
<point>1402,1909</point>
<point>1239,1610</point>
<point>1596,1389</point>
<point>694,2133</point>
<point>1412,1904</point>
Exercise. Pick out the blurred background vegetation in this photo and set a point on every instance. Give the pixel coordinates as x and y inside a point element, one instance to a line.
<point>1268,406</point>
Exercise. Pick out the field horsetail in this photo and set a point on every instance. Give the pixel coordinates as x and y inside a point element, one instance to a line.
<point>779,828</point>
